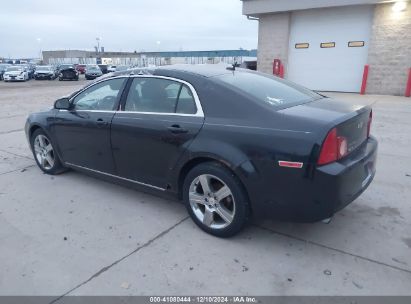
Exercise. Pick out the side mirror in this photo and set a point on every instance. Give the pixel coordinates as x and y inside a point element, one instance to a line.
<point>62,104</point>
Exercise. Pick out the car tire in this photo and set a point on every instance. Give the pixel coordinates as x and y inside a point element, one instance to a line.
<point>222,208</point>
<point>44,153</point>
<point>60,79</point>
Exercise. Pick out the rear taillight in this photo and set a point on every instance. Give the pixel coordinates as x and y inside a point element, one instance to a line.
<point>369,124</point>
<point>333,148</point>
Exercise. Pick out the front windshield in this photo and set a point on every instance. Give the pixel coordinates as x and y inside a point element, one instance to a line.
<point>271,90</point>
<point>93,68</point>
<point>66,66</point>
<point>43,68</point>
<point>13,69</point>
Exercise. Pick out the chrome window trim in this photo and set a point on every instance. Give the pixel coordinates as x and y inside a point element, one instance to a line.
<point>199,112</point>
<point>96,111</point>
<point>160,113</point>
<point>115,176</point>
<point>197,101</point>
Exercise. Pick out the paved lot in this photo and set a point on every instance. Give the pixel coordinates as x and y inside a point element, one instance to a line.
<point>73,234</point>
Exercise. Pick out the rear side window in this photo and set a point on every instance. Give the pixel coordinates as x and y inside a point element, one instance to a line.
<point>186,103</point>
<point>157,95</point>
<point>269,90</point>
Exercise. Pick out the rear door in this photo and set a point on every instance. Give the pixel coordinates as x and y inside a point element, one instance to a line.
<point>159,119</point>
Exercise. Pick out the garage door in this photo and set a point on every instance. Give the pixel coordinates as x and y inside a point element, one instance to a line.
<point>329,47</point>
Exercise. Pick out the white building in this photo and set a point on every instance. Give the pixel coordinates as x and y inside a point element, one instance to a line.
<point>325,44</point>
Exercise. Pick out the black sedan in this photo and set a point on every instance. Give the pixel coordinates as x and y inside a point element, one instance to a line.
<point>230,143</point>
<point>68,72</point>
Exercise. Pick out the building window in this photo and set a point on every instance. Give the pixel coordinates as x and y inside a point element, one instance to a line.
<point>356,44</point>
<point>302,45</point>
<point>326,45</point>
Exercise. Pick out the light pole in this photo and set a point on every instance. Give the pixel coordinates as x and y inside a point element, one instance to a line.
<point>98,44</point>
<point>158,42</point>
<point>40,52</point>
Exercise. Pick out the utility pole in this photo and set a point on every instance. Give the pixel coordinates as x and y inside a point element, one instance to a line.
<point>98,44</point>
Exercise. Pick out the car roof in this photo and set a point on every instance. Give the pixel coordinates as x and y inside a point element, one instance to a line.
<point>201,70</point>
<point>205,70</point>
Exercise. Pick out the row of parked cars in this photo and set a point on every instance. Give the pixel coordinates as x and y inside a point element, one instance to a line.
<point>20,72</point>
<point>81,68</point>
<point>24,72</point>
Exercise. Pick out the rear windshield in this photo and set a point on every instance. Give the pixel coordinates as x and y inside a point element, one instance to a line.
<point>270,90</point>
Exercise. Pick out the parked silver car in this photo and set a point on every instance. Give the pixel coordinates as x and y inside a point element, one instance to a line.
<point>45,72</point>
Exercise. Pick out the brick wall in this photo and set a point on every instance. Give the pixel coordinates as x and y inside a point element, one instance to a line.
<point>389,54</point>
<point>273,37</point>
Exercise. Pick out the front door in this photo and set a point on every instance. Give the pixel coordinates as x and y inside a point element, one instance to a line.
<point>83,132</point>
<point>161,117</point>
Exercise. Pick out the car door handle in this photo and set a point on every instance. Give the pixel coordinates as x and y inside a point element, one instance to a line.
<point>101,122</point>
<point>177,129</point>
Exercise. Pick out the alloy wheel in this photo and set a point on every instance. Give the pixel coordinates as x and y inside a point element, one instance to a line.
<point>44,152</point>
<point>212,201</point>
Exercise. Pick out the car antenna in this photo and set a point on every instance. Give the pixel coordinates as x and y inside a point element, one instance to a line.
<point>232,67</point>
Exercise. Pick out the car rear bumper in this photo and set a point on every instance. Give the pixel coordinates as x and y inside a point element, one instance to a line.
<point>322,192</point>
<point>342,182</point>
<point>43,76</point>
<point>69,77</point>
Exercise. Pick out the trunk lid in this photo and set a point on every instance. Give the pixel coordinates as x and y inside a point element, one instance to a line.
<point>351,120</point>
<point>355,130</point>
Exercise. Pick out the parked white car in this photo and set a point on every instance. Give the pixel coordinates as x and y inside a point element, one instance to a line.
<point>111,68</point>
<point>16,73</point>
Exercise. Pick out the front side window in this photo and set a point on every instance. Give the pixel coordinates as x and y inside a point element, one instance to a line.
<point>102,96</point>
<point>157,95</point>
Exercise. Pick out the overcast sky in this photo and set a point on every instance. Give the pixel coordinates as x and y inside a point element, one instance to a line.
<point>27,26</point>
